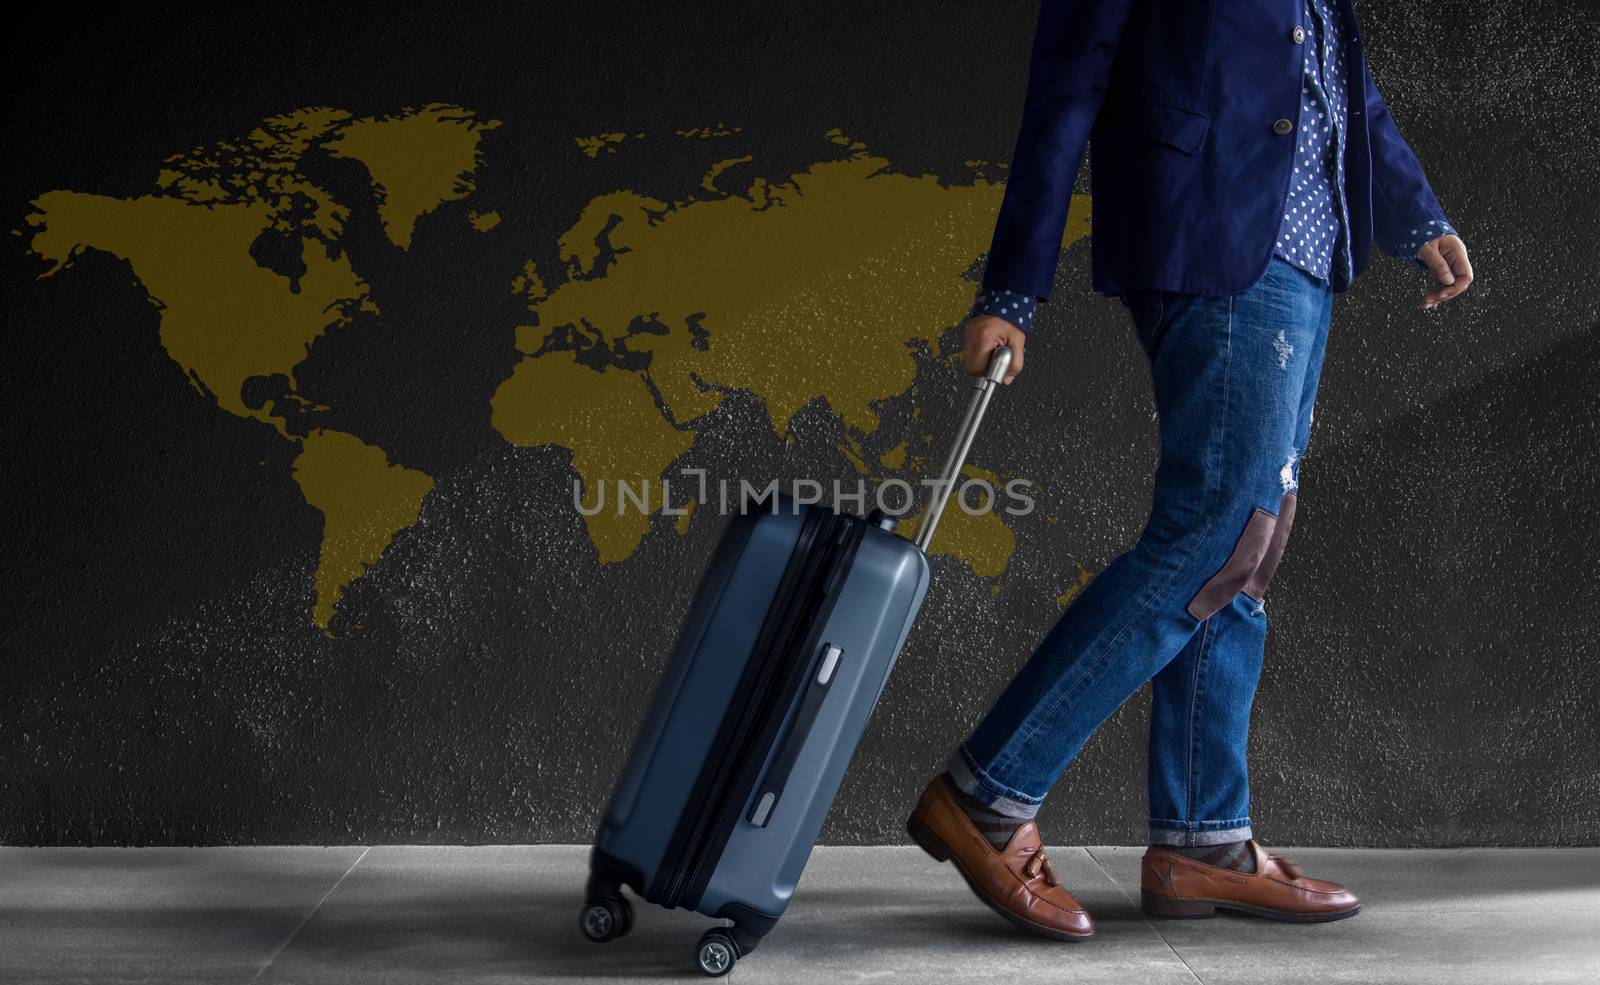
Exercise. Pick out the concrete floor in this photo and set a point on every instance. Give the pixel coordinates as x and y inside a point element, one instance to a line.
<point>509,914</point>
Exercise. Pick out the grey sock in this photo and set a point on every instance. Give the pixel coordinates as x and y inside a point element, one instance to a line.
<point>994,826</point>
<point>1235,855</point>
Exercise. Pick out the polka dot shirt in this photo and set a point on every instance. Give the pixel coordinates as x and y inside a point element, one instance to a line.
<point>1014,306</point>
<point>1312,233</point>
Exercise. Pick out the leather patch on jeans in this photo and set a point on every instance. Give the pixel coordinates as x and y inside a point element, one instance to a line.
<point>1256,587</point>
<point>1236,571</point>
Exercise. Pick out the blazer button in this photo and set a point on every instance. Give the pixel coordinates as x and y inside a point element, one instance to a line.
<point>1283,126</point>
<point>1299,34</point>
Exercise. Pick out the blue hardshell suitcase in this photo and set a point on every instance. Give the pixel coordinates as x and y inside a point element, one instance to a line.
<point>785,650</point>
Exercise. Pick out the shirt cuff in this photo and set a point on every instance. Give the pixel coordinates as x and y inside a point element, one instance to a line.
<point>1422,231</point>
<point>1016,307</point>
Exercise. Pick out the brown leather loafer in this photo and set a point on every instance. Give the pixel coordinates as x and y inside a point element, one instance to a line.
<point>1016,882</point>
<point>1176,886</point>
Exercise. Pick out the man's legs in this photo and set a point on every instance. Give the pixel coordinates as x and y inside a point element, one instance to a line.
<point>1229,377</point>
<point>1200,702</point>
<point>1202,856</point>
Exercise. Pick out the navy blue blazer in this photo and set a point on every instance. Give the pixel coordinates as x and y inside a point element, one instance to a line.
<point>1182,101</point>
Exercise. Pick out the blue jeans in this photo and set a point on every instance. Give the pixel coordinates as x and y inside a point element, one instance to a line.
<point>1234,381</point>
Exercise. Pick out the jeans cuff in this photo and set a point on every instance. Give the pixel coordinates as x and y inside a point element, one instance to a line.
<point>971,779</point>
<point>1195,833</point>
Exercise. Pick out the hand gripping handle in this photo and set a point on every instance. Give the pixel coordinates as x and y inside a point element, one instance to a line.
<point>999,366</point>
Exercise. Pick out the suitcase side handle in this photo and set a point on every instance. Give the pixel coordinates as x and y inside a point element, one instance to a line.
<point>999,365</point>
<point>783,764</point>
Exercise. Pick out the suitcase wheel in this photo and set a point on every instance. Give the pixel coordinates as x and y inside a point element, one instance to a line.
<point>717,952</point>
<point>605,918</point>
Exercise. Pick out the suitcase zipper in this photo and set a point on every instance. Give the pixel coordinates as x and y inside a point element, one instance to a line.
<point>792,653</point>
<point>809,584</point>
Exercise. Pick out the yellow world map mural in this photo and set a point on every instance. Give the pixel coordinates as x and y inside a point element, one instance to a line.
<point>825,285</point>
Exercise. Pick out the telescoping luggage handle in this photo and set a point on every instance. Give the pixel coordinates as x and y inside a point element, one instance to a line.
<point>999,366</point>
<point>816,690</point>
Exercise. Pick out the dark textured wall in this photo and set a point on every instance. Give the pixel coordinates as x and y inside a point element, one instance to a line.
<point>1432,674</point>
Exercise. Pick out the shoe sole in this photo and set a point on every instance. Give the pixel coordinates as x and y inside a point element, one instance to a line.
<point>1167,908</point>
<point>940,852</point>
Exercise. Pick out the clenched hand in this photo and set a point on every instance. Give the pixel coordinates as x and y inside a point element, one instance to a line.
<point>1446,257</point>
<point>985,333</point>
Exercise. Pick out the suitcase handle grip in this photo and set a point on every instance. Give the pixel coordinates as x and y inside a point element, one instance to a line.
<point>999,365</point>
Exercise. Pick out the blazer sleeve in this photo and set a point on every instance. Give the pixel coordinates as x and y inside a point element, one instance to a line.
<point>1405,213</point>
<point>1069,64</point>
